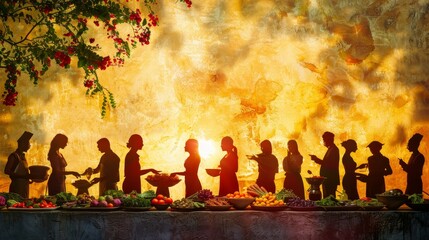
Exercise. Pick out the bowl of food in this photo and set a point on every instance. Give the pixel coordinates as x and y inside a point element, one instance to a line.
<point>38,173</point>
<point>214,172</point>
<point>417,202</point>
<point>393,198</point>
<point>161,207</point>
<point>163,180</point>
<point>240,203</point>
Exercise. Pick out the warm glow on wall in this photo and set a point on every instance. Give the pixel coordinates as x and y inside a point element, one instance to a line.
<point>252,70</point>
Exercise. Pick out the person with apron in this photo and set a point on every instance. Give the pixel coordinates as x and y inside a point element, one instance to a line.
<point>17,167</point>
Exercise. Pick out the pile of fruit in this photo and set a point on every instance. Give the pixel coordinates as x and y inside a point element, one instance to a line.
<point>237,194</point>
<point>268,200</point>
<point>301,203</point>
<point>205,194</point>
<point>106,201</point>
<point>161,200</point>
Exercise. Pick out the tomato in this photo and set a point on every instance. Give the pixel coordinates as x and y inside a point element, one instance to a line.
<point>154,201</point>
<point>161,202</point>
<point>110,205</point>
<point>168,200</point>
<point>160,196</point>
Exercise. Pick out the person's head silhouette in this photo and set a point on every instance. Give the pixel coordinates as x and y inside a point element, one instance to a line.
<point>135,142</point>
<point>328,139</point>
<point>414,142</point>
<point>350,145</point>
<point>266,147</point>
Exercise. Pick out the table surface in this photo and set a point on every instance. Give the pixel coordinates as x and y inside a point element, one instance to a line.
<point>233,224</point>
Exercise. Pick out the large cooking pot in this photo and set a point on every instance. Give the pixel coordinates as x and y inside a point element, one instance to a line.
<point>38,173</point>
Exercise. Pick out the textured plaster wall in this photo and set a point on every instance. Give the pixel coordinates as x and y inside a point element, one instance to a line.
<point>253,70</point>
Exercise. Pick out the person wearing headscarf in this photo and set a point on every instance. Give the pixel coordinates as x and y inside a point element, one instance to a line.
<point>329,165</point>
<point>17,167</point>
<point>414,167</point>
<point>192,163</point>
<point>268,166</point>
<point>229,167</point>
<point>57,180</point>
<point>132,166</point>
<point>378,167</point>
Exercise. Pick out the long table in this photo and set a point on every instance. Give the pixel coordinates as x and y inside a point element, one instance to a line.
<point>232,224</point>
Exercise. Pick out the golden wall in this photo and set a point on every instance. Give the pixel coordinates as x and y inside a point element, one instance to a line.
<point>253,70</point>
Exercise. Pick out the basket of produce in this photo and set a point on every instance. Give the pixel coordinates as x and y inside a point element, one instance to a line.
<point>393,198</point>
<point>39,173</point>
<point>214,172</point>
<point>163,180</point>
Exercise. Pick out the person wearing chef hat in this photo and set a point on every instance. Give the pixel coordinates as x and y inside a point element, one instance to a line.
<point>378,167</point>
<point>414,167</point>
<point>17,167</point>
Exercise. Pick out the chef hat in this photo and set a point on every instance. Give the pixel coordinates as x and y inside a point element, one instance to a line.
<point>416,138</point>
<point>375,144</point>
<point>25,137</point>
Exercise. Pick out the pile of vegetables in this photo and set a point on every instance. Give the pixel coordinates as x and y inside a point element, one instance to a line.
<point>186,203</point>
<point>32,203</point>
<point>416,198</point>
<point>135,199</point>
<point>367,202</point>
<point>82,200</point>
<point>12,196</point>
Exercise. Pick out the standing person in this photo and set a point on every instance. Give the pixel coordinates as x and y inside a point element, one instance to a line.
<point>57,180</point>
<point>192,163</point>
<point>378,167</point>
<point>329,165</point>
<point>292,167</point>
<point>17,167</point>
<point>228,167</point>
<point>108,167</point>
<point>414,167</point>
<point>349,179</point>
<point>268,166</point>
<point>132,166</point>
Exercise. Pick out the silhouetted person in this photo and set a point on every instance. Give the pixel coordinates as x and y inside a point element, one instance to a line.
<point>132,166</point>
<point>17,167</point>
<point>108,167</point>
<point>349,179</point>
<point>268,166</point>
<point>57,180</point>
<point>292,167</point>
<point>192,163</point>
<point>378,167</point>
<point>414,167</point>
<point>329,165</point>
<point>229,167</point>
